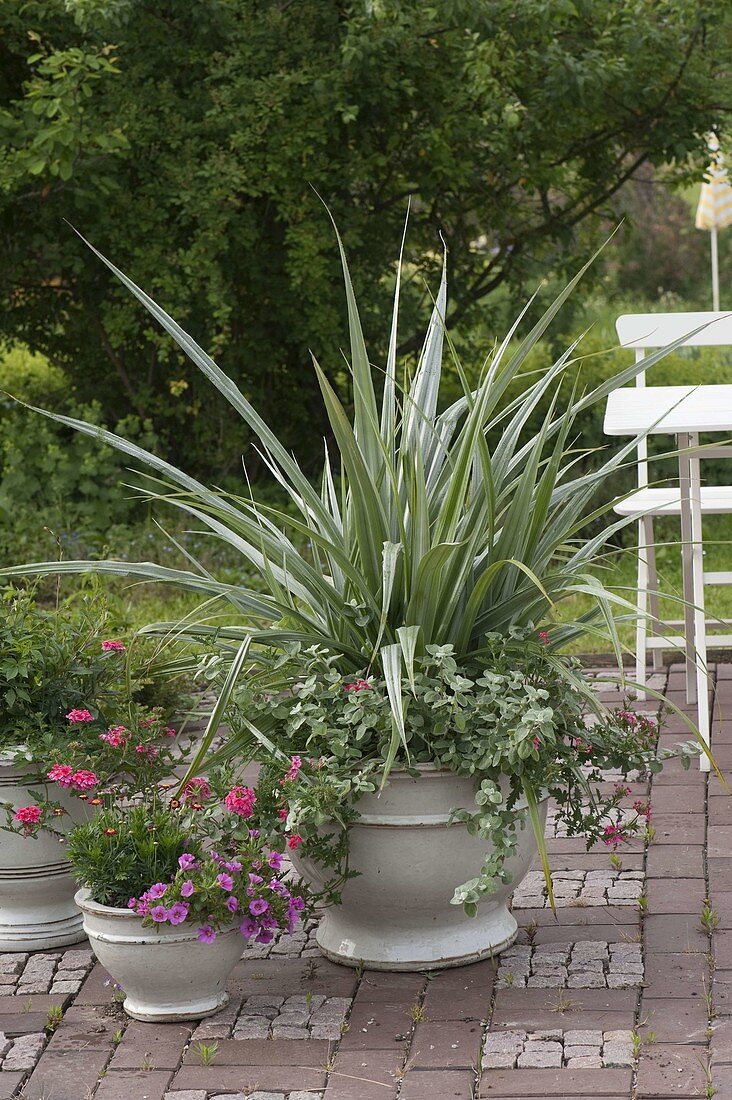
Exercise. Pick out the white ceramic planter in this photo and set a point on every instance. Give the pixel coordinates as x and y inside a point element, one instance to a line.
<point>396,915</point>
<point>37,908</point>
<point>166,973</point>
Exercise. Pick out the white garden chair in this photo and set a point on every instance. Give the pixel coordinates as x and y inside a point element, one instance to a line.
<point>645,332</point>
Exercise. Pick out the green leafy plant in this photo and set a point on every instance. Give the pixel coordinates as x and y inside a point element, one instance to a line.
<point>420,539</point>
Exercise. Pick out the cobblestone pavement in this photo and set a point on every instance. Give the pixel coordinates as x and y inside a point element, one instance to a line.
<point>623,995</point>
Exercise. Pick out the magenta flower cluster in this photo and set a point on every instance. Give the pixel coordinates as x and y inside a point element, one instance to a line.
<point>218,893</point>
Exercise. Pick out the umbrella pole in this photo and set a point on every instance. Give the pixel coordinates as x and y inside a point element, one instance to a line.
<point>715,271</point>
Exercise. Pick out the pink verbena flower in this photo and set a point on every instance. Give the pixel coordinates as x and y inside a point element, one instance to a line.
<point>240,800</point>
<point>29,815</point>
<point>80,716</point>
<point>295,841</point>
<point>358,685</point>
<point>170,732</point>
<point>613,836</point>
<point>295,765</point>
<point>112,646</point>
<point>115,737</point>
<point>61,774</point>
<point>196,789</point>
<point>544,637</point>
<point>84,780</point>
<point>283,814</point>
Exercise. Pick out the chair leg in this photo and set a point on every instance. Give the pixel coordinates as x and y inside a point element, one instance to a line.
<point>687,573</point>
<point>700,625</point>
<point>653,601</point>
<point>641,626</point>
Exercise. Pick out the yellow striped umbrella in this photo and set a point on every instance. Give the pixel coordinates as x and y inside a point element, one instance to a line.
<point>715,208</point>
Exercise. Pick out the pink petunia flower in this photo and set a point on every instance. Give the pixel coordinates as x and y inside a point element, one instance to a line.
<point>80,716</point>
<point>112,646</point>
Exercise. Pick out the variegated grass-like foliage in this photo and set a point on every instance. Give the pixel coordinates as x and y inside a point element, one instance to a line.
<point>419,532</point>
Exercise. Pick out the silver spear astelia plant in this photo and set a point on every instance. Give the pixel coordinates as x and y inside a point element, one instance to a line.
<point>422,544</point>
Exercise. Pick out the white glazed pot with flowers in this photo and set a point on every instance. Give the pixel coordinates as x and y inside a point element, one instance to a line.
<point>419,870</point>
<point>425,569</point>
<point>205,884</point>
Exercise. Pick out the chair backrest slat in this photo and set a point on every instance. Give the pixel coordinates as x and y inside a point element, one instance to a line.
<point>655,330</point>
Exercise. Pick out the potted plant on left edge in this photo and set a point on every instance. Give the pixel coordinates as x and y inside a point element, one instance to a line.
<point>65,714</point>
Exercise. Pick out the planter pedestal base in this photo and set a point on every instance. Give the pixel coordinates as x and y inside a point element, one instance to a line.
<point>343,941</point>
<point>45,936</point>
<point>170,1013</point>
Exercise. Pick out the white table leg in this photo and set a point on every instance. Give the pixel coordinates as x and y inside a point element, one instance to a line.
<point>682,442</point>
<point>700,624</point>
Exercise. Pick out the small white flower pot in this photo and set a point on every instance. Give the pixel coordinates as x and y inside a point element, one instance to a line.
<point>396,914</point>
<point>166,972</point>
<point>37,887</point>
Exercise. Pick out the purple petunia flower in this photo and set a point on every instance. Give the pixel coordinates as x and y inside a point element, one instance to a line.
<point>258,906</point>
<point>232,904</point>
<point>177,913</point>
<point>159,914</point>
<point>157,890</point>
<point>226,882</point>
<point>206,934</point>
<point>248,928</point>
<point>187,889</point>
<point>186,861</point>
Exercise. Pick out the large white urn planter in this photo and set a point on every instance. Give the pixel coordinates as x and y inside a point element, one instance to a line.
<point>37,887</point>
<point>166,972</point>
<point>396,914</point>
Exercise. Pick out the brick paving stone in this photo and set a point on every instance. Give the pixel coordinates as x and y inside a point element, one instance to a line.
<point>10,1084</point>
<point>533,1009</point>
<point>66,1075</point>
<point>445,1045</point>
<point>377,1027</point>
<point>679,799</point>
<point>674,1020</point>
<point>216,1078</point>
<point>365,1075</point>
<point>162,1045</point>
<point>393,988</point>
<point>263,1052</point>
<point>674,932</point>
<point>680,896</point>
<point>128,1084</point>
<point>452,1084</point>
<point>559,1083</point>
<point>461,994</point>
<point>673,861</point>
<point>670,1070</point>
<point>675,974</point>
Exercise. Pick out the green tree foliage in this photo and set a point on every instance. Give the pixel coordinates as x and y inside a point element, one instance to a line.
<point>185,140</point>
